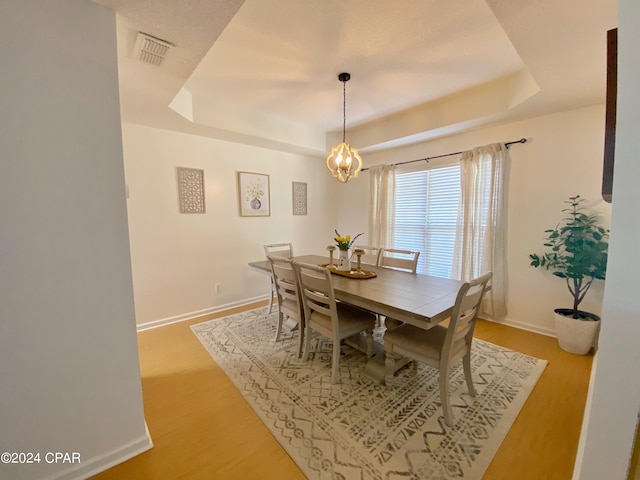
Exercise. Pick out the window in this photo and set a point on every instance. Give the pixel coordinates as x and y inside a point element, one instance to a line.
<point>426,211</point>
<point>455,240</point>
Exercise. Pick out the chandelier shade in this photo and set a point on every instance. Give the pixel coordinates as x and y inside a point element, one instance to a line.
<point>344,161</point>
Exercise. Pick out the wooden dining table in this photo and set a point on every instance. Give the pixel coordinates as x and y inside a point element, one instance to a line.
<point>417,299</point>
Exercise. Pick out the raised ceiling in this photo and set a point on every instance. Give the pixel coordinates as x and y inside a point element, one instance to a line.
<point>264,72</point>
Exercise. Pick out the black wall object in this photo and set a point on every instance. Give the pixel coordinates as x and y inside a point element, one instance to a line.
<point>610,118</point>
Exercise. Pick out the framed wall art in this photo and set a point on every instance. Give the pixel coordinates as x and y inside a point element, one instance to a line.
<point>299,198</point>
<point>191,190</point>
<point>253,194</point>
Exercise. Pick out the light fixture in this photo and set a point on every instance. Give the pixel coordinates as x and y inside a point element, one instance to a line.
<point>344,161</point>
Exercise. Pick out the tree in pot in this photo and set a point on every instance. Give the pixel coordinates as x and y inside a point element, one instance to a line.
<point>577,252</point>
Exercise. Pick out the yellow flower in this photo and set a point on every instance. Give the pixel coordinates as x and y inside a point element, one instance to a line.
<point>345,243</point>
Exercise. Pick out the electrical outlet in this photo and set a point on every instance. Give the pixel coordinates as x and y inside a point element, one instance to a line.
<point>218,285</point>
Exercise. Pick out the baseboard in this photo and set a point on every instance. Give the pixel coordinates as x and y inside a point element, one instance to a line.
<point>101,463</point>
<point>523,326</point>
<point>200,313</point>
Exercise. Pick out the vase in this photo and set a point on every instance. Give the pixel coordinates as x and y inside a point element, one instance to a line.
<point>255,204</point>
<point>344,264</point>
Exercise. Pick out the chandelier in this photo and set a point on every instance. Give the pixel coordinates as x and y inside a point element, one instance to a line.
<point>344,161</point>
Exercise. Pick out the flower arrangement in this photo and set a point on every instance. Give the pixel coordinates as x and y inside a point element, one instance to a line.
<point>254,190</point>
<point>345,243</point>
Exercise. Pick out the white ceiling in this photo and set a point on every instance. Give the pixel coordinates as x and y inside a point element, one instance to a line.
<point>264,72</point>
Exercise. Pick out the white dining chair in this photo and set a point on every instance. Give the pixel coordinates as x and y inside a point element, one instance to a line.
<point>288,295</point>
<point>441,347</point>
<point>398,259</point>
<point>334,320</point>
<point>279,250</point>
<point>405,260</point>
<point>371,255</point>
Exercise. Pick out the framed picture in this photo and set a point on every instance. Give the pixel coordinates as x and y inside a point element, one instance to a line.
<point>191,190</point>
<point>299,198</point>
<point>253,194</point>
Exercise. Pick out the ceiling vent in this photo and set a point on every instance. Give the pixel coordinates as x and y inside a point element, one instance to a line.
<point>150,49</point>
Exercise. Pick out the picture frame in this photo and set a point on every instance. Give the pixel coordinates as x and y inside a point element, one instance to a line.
<point>191,197</point>
<point>299,192</point>
<point>254,198</point>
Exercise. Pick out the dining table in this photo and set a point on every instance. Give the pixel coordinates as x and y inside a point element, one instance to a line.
<point>414,298</point>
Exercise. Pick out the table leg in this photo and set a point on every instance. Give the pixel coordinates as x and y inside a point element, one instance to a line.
<point>375,368</point>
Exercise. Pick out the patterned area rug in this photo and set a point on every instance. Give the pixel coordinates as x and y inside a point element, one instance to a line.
<point>358,429</point>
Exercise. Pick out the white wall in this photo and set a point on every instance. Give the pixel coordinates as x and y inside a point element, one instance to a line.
<point>69,375</point>
<point>179,258</point>
<point>611,420</point>
<point>563,157</point>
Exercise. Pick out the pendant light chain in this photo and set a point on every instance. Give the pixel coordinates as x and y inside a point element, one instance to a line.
<point>344,110</point>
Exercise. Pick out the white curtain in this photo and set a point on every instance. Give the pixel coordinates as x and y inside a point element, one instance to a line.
<point>481,241</point>
<point>382,187</point>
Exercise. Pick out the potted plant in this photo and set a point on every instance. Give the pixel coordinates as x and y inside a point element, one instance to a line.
<point>577,252</point>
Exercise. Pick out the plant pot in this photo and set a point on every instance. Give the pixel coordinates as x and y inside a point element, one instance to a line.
<point>576,335</point>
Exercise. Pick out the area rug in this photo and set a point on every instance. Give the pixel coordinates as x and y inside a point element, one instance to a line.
<point>358,429</point>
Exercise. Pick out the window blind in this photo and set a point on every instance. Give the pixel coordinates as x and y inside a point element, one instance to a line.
<point>426,210</point>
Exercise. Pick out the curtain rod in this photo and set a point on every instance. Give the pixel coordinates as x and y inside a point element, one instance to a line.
<point>507,144</point>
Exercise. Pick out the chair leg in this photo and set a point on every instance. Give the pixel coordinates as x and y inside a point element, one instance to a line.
<point>279,328</point>
<point>334,362</point>
<point>466,366</point>
<point>369,342</point>
<point>270,294</point>
<point>300,339</point>
<point>444,395</point>
<point>389,364</point>
<point>307,343</point>
<point>414,368</point>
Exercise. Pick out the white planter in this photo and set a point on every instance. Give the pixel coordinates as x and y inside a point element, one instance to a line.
<point>344,264</point>
<point>576,335</point>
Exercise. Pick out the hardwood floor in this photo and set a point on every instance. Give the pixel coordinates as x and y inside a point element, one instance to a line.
<point>202,428</point>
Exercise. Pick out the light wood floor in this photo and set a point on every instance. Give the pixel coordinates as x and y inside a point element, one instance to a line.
<point>202,428</point>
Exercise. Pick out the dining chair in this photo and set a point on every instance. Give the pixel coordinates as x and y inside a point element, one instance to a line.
<point>288,295</point>
<point>371,255</point>
<point>406,260</point>
<point>441,347</point>
<point>280,250</point>
<point>399,259</point>
<point>334,320</point>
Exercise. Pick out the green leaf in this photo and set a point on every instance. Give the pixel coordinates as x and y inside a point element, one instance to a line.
<point>576,248</point>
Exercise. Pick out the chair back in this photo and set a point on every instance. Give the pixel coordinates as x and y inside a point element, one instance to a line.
<point>463,317</point>
<point>371,254</point>
<point>406,260</point>
<point>316,291</point>
<point>286,282</point>
<point>279,250</point>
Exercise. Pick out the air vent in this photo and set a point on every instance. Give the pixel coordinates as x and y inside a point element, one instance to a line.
<point>150,49</point>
